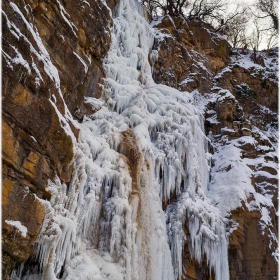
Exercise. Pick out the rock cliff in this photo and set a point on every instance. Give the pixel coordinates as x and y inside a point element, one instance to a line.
<point>52,60</point>
<point>53,67</point>
<point>240,88</point>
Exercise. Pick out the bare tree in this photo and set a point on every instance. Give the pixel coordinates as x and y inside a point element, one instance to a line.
<point>268,9</point>
<point>235,30</point>
<point>233,25</point>
<point>176,7</point>
<point>256,36</point>
<point>272,40</point>
<point>210,11</point>
<point>206,9</point>
<point>163,7</point>
<point>153,7</point>
<point>267,14</point>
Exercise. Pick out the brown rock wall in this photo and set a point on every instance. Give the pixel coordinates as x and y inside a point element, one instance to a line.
<point>189,55</point>
<point>19,203</point>
<point>249,254</point>
<point>264,91</point>
<point>42,40</point>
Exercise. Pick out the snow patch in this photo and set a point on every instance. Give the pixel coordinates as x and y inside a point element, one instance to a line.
<point>17,224</point>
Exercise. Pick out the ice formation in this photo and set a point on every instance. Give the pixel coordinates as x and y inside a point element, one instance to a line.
<point>144,144</point>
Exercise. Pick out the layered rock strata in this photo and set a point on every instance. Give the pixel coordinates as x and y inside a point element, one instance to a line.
<point>52,60</point>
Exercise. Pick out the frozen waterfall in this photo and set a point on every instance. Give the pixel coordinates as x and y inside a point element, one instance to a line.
<point>144,145</point>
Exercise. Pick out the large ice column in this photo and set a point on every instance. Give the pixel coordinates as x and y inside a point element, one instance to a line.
<point>170,135</point>
<point>128,71</point>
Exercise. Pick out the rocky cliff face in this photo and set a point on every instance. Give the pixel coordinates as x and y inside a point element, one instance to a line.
<point>52,60</point>
<point>242,103</point>
<point>190,54</point>
<point>53,64</point>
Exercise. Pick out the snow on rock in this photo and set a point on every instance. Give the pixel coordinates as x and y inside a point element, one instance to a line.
<point>265,62</point>
<point>244,168</point>
<point>231,177</point>
<point>82,61</point>
<point>40,52</point>
<point>17,224</point>
<point>65,16</point>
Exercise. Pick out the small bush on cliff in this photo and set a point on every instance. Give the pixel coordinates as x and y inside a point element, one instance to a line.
<point>244,91</point>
